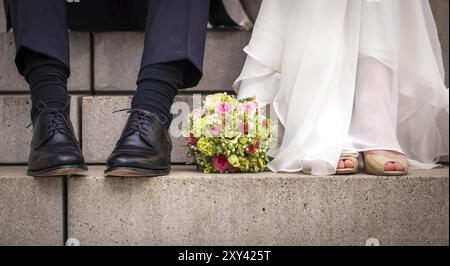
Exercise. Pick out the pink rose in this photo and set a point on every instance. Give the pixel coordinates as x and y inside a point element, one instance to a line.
<point>223,108</point>
<point>192,141</point>
<point>265,123</point>
<point>257,144</point>
<point>220,163</point>
<point>215,130</point>
<point>249,107</point>
<point>243,128</point>
<point>196,113</point>
<point>250,150</point>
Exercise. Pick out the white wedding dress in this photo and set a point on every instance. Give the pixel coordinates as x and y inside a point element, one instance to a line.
<point>348,75</point>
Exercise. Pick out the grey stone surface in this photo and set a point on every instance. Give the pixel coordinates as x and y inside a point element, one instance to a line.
<point>252,8</point>
<point>445,50</point>
<point>31,211</point>
<point>224,60</point>
<point>118,57</point>
<point>2,18</point>
<point>102,128</point>
<point>236,11</point>
<point>191,208</point>
<point>14,136</point>
<point>79,81</point>
<point>441,14</point>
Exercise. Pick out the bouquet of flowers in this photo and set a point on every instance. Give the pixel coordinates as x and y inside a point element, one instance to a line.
<point>229,136</point>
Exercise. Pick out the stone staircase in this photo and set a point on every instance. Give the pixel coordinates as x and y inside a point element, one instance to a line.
<point>189,207</point>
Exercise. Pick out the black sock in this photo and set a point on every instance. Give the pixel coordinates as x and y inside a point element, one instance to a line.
<point>157,86</point>
<point>47,78</point>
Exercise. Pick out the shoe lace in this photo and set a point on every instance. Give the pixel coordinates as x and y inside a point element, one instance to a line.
<point>53,119</point>
<point>141,121</point>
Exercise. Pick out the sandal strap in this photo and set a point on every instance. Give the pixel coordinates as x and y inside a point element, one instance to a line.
<point>383,159</point>
<point>349,154</point>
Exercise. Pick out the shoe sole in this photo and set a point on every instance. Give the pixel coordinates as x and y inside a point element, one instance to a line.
<point>135,172</point>
<point>64,170</point>
<point>386,173</point>
<point>349,171</point>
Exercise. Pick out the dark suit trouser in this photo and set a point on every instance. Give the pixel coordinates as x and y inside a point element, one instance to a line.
<point>175,30</point>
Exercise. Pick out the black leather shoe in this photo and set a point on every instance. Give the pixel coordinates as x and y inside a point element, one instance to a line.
<point>54,149</point>
<point>143,149</point>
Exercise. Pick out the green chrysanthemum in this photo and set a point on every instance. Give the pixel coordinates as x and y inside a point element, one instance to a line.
<point>234,160</point>
<point>205,147</point>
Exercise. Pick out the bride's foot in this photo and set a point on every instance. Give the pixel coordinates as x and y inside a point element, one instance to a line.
<point>379,162</point>
<point>347,165</point>
<point>391,166</point>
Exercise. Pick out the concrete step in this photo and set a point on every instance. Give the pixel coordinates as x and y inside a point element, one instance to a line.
<point>224,59</point>
<point>79,81</point>
<point>2,18</point>
<point>440,11</point>
<point>14,136</point>
<point>101,128</point>
<point>118,57</point>
<point>192,208</point>
<point>31,209</point>
<point>95,124</point>
<point>251,7</point>
<point>240,13</point>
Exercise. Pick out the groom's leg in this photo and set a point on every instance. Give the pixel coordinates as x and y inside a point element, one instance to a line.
<point>42,57</point>
<point>176,30</point>
<point>42,48</point>
<point>40,26</point>
<point>173,52</point>
<point>172,59</point>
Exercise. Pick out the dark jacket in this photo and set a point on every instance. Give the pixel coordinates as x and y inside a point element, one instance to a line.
<point>120,15</point>
<point>101,15</point>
